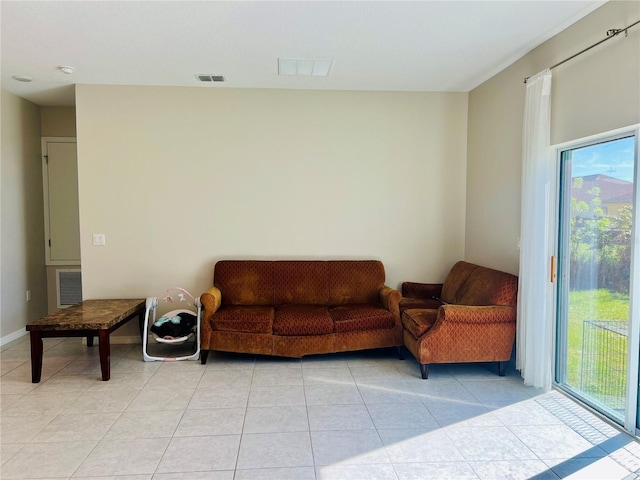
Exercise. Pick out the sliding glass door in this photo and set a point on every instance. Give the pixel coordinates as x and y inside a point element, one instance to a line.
<point>595,275</point>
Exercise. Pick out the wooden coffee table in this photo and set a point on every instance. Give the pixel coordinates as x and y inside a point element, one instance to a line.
<point>87,319</point>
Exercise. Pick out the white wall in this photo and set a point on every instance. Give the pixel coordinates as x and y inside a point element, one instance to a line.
<point>596,92</point>
<point>178,178</point>
<point>22,221</point>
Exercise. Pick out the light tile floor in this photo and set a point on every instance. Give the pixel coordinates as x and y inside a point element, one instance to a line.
<point>362,415</point>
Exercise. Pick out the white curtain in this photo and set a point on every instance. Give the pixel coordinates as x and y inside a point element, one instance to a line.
<point>534,347</point>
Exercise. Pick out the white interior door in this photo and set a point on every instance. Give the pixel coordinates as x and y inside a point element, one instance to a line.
<point>62,222</point>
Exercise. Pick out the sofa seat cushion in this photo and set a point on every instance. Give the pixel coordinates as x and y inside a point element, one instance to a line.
<point>419,321</point>
<point>302,320</point>
<point>360,317</point>
<point>248,319</point>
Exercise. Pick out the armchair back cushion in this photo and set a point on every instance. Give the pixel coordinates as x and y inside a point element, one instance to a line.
<point>486,286</point>
<point>455,280</point>
<point>470,284</point>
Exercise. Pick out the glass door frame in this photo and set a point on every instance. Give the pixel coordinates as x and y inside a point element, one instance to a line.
<point>631,417</point>
<point>632,421</point>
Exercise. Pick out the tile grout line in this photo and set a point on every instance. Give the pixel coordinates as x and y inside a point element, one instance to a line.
<point>246,408</point>
<point>184,411</point>
<point>306,408</point>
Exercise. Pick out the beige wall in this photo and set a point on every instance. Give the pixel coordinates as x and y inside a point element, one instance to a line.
<point>58,121</point>
<point>177,178</point>
<point>22,236</point>
<point>596,92</point>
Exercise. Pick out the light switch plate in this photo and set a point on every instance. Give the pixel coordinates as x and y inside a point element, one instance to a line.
<point>99,239</point>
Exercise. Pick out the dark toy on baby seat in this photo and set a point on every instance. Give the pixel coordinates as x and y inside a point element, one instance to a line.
<point>174,327</point>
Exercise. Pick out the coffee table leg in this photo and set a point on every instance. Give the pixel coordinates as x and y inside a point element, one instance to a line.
<point>36,356</point>
<point>105,355</point>
<point>90,341</point>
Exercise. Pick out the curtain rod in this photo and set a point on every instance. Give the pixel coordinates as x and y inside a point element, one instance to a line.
<point>610,34</point>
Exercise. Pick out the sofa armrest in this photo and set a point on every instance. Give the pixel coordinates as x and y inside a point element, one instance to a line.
<point>210,300</point>
<point>390,299</point>
<point>421,290</point>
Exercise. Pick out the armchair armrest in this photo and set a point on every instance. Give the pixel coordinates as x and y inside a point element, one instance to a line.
<point>463,333</point>
<point>421,290</point>
<point>470,316</point>
<point>474,314</point>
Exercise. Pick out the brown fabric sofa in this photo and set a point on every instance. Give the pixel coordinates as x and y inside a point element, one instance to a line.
<point>471,317</point>
<point>296,308</point>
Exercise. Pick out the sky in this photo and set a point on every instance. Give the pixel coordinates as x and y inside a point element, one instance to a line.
<point>614,158</point>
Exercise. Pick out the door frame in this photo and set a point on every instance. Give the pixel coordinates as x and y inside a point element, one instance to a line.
<point>632,415</point>
<point>45,189</point>
<point>632,408</point>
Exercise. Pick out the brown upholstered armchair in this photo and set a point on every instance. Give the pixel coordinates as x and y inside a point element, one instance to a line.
<point>471,317</point>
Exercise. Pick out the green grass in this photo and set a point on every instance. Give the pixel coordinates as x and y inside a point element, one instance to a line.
<point>600,305</point>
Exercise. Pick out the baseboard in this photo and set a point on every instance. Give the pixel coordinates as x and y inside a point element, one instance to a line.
<point>12,336</point>
<point>117,340</point>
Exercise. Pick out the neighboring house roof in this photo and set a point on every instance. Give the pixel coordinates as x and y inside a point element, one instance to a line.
<point>612,190</point>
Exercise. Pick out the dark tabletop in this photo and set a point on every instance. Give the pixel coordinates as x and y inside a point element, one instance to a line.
<point>89,315</point>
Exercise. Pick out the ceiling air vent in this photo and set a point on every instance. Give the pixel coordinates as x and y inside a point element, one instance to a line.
<point>206,78</point>
<point>303,67</point>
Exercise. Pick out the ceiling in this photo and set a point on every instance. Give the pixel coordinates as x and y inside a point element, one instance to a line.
<point>374,45</point>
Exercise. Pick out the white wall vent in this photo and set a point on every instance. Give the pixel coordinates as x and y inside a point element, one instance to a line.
<point>68,287</point>
<point>206,78</point>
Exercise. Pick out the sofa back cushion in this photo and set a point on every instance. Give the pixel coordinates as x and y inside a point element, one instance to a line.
<point>457,277</point>
<point>355,281</point>
<point>486,286</point>
<point>244,282</point>
<point>311,282</point>
<point>300,282</point>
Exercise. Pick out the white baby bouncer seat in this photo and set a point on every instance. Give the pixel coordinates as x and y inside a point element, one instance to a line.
<point>194,334</point>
